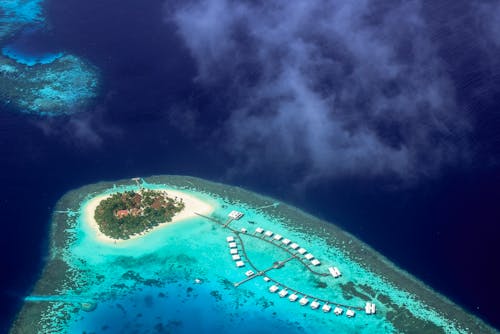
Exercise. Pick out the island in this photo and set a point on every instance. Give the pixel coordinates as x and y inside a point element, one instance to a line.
<point>123,215</point>
<point>229,260</point>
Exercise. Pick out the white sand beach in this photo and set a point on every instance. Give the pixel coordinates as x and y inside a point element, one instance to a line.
<point>193,205</point>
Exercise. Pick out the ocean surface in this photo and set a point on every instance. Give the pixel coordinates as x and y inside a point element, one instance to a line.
<point>443,230</point>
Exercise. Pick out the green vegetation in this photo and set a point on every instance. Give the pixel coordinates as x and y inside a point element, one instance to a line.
<point>129,213</point>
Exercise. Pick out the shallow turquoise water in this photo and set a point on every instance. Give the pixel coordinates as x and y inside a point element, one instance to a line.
<point>147,285</point>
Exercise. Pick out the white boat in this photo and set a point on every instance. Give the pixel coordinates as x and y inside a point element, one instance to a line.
<point>314,305</point>
<point>283,293</point>
<point>293,297</point>
<point>326,308</point>
<point>249,273</point>
<point>337,310</point>
<point>350,313</point>
<point>273,288</point>
<point>303,301</point>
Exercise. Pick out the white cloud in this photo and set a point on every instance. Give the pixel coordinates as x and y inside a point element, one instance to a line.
<point>339,87</point>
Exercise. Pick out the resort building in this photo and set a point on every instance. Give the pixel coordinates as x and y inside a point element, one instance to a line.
<point>268,233</point>
<point>232,245</point>
<point>293,297</point>
<point>302,251</point>
<point>303,301</point>
<point>277,237</point>
<point>350,313</point>
<point>315,262</point>
<point>370,308</point>
<point>283,293</point>
<point>334,271</point>
<point>249,273</point>
<point>267,279</point>
<point>233,251</point>
<point>326,308</point>
<point>337,310</point>
<point>273,288</point>
<point>286,242</point>
<point>240,264</point>
<point>294,246</point>
<point>309,256</point>
<point>230,239</point>
<point>259,230</point>
<point>236,257</point>
<point>314,305</point>
<point>235,215</point>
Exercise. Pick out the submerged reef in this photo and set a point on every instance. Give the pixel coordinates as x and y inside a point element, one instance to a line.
<point>231,272</point>
<point>51,83</point>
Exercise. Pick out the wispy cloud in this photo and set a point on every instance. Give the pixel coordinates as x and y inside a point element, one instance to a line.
<point>336,87</point>
<point>84,130</point>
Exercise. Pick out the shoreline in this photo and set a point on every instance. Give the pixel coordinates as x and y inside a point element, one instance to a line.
<point>192,205</point>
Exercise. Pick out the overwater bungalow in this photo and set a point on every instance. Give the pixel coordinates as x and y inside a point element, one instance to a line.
<point>267,279</point>
<point>249,273</point>
<point>370,308</point>
<point>277,237</point>
<point>334,271</point>
<point>259,230</point>
<point>286,242</point>
<point>283,293</point>
<point>232,245</point>
<point>315,262</point>
<point>326,308</point>
<point>302,251</point>
<point>273,288</point>
<point>268,234</point>
<point>243,230</point>
<point>293,297</point>
<point>235,215</point>
<point>337,310</point>
<point>314,305</point>
<point>303,301</point>
<point>230,239</point>
<point>309,256</point>
<point>350,313</point>
<point>236,257</point>
<point>240,264</point>
<point>233,251</point>
<point>294,246</point>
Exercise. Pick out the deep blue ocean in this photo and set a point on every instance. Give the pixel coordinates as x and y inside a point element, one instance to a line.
<point>444,229</point>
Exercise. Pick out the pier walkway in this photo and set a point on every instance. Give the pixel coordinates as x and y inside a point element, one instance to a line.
<point>276,265</point>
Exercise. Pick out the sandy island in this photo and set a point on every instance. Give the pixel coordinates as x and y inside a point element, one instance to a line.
<point>193,205</point>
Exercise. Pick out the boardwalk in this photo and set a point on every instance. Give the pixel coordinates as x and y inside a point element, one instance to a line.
<point>276,265</point>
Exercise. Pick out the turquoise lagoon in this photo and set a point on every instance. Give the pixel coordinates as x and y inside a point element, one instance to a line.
<point>180,279</point>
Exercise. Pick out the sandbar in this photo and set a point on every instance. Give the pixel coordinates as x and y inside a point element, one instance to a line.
<point>193,205</point>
